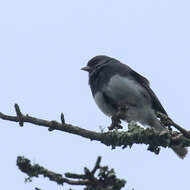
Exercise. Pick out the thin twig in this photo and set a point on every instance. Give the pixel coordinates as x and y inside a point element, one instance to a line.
<point>19,115</point>
<point>62,119</point>
<point>97,165</point>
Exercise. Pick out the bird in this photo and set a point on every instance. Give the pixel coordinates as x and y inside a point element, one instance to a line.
<point>113,83</point>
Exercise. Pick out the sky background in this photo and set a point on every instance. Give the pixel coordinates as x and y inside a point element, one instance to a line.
<point>43,45</point>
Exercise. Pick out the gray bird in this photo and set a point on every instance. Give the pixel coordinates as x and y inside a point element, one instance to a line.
<point>113,83</point>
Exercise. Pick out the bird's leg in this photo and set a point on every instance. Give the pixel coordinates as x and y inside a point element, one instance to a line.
<point>116,121</point>
<point>116,118</point>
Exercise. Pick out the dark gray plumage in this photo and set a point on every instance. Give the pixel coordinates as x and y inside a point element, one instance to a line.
<point>113,83</point>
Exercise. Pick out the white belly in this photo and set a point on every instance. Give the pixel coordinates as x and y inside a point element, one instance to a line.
<point>104,107</point>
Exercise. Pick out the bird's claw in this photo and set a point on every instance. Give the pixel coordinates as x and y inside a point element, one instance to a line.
<point>115,123</point>
<point>163,133</point>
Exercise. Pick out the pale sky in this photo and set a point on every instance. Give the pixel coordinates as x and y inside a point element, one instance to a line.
<point>43,45</point>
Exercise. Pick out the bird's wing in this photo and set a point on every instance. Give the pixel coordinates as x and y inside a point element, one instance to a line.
<point>156,105</point>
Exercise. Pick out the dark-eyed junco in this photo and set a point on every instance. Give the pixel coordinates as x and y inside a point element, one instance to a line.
<point>113,83</point>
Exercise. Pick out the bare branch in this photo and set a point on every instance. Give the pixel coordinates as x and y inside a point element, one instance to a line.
<point>135,134</point>
<point>105,179</point>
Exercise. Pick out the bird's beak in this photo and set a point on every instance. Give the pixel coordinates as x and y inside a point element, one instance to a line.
<point>87,68</point>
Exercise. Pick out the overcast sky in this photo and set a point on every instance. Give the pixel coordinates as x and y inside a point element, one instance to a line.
<point>43,45</point>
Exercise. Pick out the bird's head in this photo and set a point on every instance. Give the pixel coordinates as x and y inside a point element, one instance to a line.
<point>96,63</point>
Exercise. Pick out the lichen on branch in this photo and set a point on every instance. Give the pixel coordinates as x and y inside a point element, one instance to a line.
<point>99,178</point>
<point>115,138</point>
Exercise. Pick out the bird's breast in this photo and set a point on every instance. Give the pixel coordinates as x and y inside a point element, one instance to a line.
<point>103,104</point>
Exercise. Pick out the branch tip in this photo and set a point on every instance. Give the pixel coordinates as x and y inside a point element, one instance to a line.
<point>19,115</point>
<point>97,165</point>
<point>62,119</point>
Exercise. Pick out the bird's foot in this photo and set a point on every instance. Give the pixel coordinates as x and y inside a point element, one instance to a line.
<point>163,133</point>
<point>116,123</point>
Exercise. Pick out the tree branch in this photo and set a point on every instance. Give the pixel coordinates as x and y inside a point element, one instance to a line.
<point>105,179</point>
<point>135,134</point>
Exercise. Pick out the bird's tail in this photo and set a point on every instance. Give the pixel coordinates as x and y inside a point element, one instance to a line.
<point>180,151</point>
